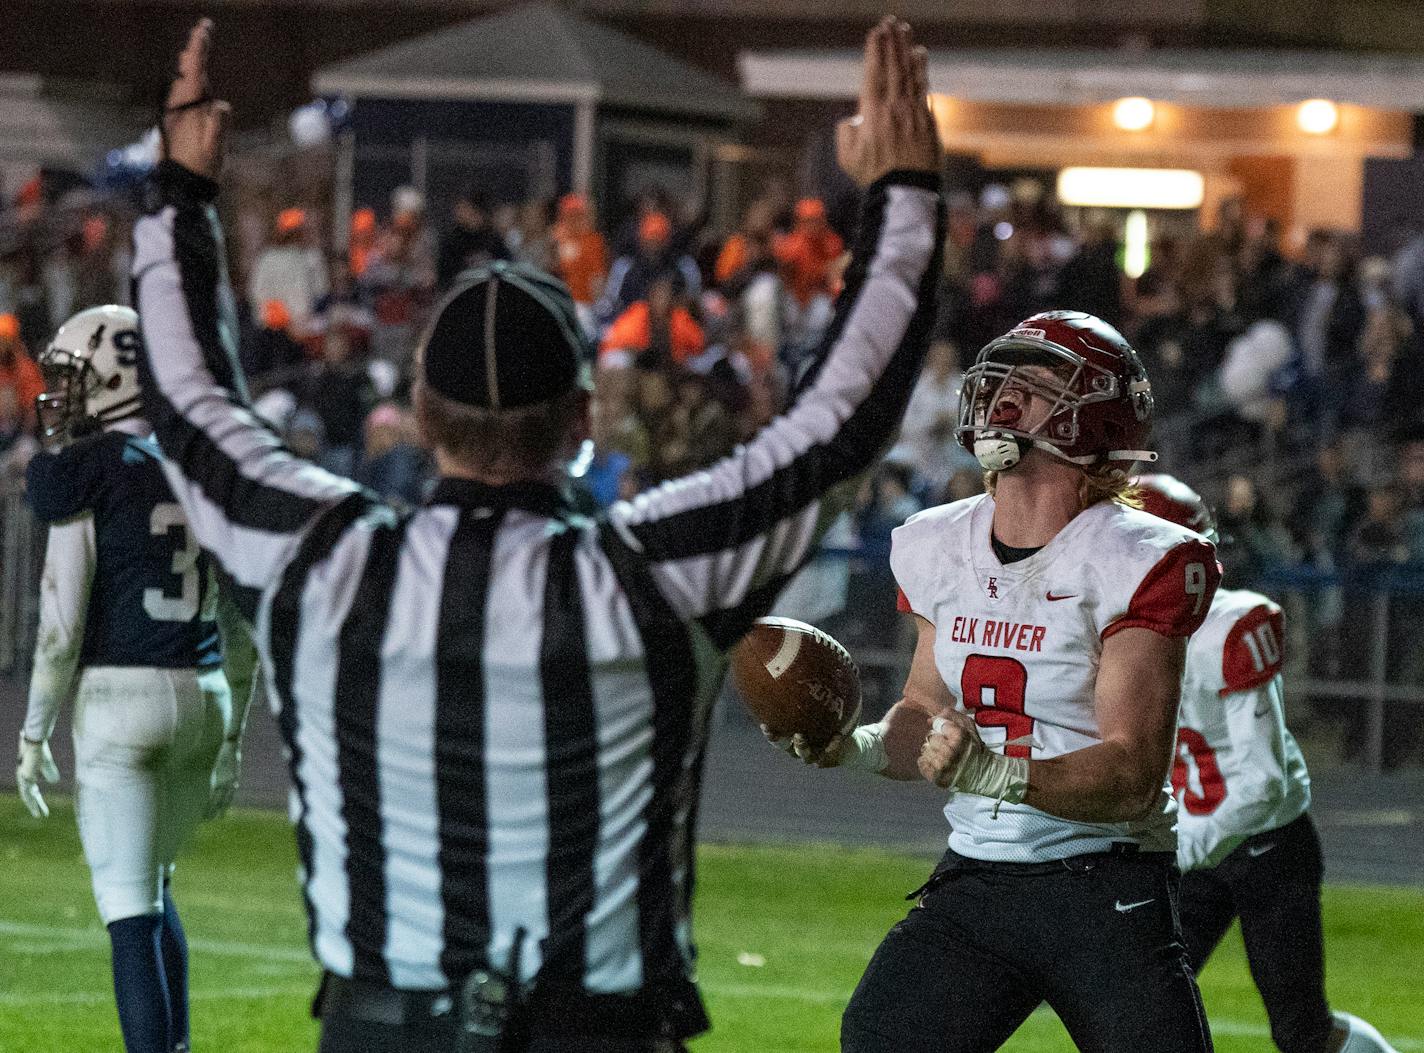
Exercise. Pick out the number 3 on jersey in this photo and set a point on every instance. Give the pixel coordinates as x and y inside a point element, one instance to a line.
<point>167,522</point>
<point>993,688</point>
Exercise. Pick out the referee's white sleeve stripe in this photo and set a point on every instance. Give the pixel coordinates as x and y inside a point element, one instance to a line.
<point>216,436</point>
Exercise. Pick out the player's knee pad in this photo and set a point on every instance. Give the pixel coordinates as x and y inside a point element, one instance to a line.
<point>1361,1036</point>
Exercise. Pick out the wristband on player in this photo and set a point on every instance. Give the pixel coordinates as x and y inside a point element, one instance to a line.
<point>988,774</point>
<point>864,749</point>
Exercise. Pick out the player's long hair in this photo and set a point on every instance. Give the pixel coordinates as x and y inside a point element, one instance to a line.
<point>506,444</point>
<point>1101,482</point>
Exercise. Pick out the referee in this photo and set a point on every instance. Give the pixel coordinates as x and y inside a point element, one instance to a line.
<point>495,710</point>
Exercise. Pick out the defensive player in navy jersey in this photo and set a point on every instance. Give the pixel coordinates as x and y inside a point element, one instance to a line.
<point>128,633</point>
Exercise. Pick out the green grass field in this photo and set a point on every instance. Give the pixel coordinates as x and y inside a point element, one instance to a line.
<point>784,934</point>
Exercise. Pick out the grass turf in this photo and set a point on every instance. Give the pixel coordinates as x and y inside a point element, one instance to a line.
<point>783,933</point>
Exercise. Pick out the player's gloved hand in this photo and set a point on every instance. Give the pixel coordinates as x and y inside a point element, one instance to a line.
<point>36,762</point>
<point>224,781</point>
<point>844,748</point>
<point>955,757</point>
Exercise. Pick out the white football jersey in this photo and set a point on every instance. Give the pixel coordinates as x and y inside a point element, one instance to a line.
<point>1019,647</point>
<point>1238,770</point>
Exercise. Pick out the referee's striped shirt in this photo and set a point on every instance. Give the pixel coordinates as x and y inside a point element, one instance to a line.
<point>495,709</point>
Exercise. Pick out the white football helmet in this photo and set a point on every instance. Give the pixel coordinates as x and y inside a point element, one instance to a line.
<point>91,373</point>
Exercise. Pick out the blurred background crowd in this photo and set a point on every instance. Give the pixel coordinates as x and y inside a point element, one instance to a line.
<point>1289,379</point>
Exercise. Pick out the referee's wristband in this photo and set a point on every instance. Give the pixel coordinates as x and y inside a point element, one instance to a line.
<point>864,749</point>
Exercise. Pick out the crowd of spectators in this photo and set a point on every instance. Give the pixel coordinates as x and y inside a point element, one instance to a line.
<point>1289,380</point>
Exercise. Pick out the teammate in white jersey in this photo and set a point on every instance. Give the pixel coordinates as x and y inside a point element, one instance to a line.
<point>1052,620</point>
<point>1244,834</point>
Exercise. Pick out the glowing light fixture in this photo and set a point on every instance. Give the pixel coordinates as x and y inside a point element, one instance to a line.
<point>1134,113</point>
<point>1135,253</point>
<point>1131,187</point>
<point>1317,116</point>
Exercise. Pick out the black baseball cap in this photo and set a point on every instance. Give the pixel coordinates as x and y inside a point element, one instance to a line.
<point>506,337</point>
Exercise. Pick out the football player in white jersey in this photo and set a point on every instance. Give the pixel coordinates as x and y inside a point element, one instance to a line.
<point>1052,620</point>
<point>1245,840</point>
<point>129,633</point>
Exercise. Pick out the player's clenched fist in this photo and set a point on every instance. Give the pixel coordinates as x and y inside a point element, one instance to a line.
<point>952,738</point>
<point>894,129</point>
<point>955,757</point>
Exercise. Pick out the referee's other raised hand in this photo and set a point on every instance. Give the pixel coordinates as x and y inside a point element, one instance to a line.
<point>194,123</point>
<point>894,129</point>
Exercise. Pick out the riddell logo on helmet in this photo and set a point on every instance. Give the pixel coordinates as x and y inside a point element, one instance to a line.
<point>1032,334</point>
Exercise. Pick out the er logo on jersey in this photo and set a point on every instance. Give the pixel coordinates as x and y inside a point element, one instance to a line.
<point>993,588</point>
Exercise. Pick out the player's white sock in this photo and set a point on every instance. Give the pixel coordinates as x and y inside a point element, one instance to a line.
<point>1362,1038</point>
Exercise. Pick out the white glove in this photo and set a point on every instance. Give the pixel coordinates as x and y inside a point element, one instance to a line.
<point>832,755</point>
<point>36,762</point>
<point>224,781</point>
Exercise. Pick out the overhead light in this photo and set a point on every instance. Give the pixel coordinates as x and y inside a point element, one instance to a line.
<point>1134,113</point>
<point>1136,250</point>
<point>1131,187</point>
<point>1317,116</point>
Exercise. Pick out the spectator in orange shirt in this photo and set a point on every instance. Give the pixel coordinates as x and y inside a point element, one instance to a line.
<point>749,247</point>
<point>654,333</point>
<point>580,256</point>
<point>362,241</point>
<point>807,252</point>
<point>20,383</point>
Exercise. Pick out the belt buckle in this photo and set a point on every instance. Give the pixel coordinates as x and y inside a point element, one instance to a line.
<point>486,1004</point>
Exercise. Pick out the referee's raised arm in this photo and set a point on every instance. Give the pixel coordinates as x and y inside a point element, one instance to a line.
<point>246,498</point>
<point>721,543</point>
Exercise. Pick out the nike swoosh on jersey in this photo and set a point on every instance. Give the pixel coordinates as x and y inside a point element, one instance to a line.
<point>1259,850</point>
<point>1069,596</point>
<point>1262,712</point>
<point>1123,908</point>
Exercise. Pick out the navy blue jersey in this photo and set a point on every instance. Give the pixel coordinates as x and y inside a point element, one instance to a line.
<point>149,603</point>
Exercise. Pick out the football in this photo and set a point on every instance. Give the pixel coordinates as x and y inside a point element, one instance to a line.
<point>796,678</point>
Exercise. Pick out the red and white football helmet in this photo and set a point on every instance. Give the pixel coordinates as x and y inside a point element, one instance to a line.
<point>1167,497</point>
<point>1101,397</point>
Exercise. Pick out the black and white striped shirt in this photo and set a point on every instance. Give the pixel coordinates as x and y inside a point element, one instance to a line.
<point>496,709</point>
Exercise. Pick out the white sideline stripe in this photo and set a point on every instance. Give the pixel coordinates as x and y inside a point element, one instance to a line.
<point>76,939</point>
<point>70,938</point>
<point>231,994</point>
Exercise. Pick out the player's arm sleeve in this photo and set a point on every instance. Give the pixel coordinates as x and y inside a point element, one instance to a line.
<point>721,543</point>
<point>61,484</point>
<point>1174,596</point>
<point>64,600</point>
<point>247,498</point>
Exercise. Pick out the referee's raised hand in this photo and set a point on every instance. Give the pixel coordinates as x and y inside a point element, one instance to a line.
<point>194,123</point>
<point>894,129</point>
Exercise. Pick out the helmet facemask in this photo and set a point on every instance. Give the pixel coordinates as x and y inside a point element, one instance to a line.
<point>72,384</point>
<point>996,395</point>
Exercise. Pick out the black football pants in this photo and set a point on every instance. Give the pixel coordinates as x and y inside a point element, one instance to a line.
<point>1096,937</point>
<point>1272,883</point>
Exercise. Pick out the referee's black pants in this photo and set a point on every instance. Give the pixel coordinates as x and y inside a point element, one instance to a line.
<point>1096,937</point>
<point>1272,883</point>
<point>358,1017</point>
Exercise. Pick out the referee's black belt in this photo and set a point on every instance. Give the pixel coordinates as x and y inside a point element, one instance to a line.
<point>572,1012</point>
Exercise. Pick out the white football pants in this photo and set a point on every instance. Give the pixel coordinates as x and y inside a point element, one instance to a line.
<point>145,741</point>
